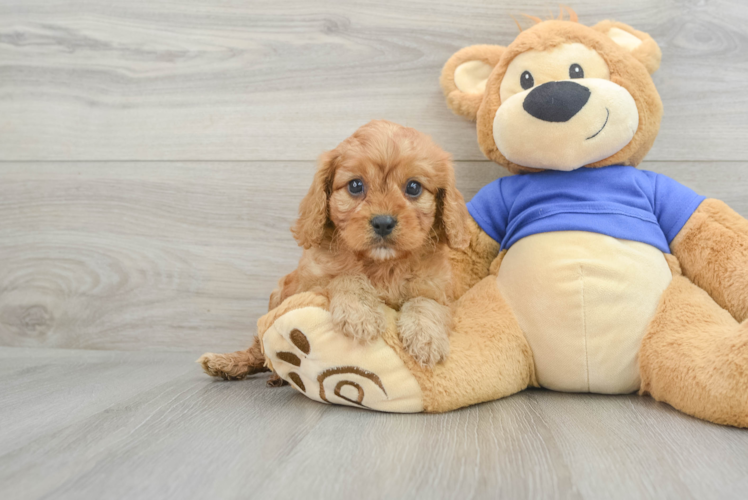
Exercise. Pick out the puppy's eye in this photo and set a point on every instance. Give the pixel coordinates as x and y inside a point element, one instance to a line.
<point>576,71</point>
<point>526,80</point>
<point>356,187</point>
<point>413,188</point>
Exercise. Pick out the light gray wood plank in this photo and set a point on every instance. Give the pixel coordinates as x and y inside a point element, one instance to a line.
<point>639,432</point>
<point>96,258</point>
<point>177,256</point>
<point>45,390</point>
<point>180,434</point>
<point>252,80</point>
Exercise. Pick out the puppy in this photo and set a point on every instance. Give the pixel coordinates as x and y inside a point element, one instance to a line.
<point>376,227</point>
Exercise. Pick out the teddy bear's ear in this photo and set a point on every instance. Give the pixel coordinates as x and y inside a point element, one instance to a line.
<point>465,75</point>
<point>639,44</point>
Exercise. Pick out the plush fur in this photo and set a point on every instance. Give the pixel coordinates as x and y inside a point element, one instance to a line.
<point>343,258</point>
<point>473,263</point>
<point>489,356</point>
<point>695,356</point>
<point>463,103</point>
<point>713,252</point>
<point>629,70</point>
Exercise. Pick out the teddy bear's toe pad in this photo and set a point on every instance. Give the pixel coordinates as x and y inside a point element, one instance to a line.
<point>329,367</point>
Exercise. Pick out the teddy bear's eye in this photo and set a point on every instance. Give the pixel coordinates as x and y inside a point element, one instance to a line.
<point>576,71</point>
<point>526,80</point>
<point>356,187</point>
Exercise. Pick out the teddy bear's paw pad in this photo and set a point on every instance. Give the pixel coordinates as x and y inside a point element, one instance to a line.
<point>327,366</point>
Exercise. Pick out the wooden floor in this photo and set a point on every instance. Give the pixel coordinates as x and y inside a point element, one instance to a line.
<point>107,424</point>
<point>152,156</point>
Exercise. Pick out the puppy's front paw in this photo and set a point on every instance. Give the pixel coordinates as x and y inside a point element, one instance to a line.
<point>424,327</point>
<point>358,315</point>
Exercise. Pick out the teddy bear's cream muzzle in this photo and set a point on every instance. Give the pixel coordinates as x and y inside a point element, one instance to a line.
<point>569,138</point>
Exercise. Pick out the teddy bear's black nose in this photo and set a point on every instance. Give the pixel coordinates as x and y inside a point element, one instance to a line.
<point>556,101</point>
<point>383,224</point>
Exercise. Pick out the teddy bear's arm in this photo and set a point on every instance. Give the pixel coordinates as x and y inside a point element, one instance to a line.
<point>712,249</point>
<point>472,264</point>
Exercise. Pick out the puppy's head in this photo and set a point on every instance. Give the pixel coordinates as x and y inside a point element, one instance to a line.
<point>384,192</point>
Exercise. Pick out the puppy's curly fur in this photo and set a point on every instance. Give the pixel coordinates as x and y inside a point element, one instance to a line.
<point>403,175</point>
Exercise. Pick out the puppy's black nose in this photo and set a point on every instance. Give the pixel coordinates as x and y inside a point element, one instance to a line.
<point>383,224</point>
<point>556,101</point>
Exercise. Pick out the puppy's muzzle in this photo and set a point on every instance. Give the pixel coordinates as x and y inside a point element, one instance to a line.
<point>556,101</point>
<point>383,224</point>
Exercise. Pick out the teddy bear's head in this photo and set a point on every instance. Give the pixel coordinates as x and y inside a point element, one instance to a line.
<point>561,96</point>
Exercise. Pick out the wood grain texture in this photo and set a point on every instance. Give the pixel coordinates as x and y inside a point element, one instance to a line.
<point>152,156</point>
<point>83,424</point>
<point>252,80</point>
<point>177,256</point>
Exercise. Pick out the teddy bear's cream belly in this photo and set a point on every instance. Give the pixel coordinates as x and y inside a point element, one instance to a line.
<point>584,300</point>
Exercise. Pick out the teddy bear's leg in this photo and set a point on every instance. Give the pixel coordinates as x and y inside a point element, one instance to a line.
<point>712,249</point>
<point>695,355</point>
<point>489,357</point>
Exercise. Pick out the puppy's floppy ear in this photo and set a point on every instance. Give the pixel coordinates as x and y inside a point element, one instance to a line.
<point>464,77</point>
<point>313,210</point>
<point>639,44</point>
<point>452,211</point>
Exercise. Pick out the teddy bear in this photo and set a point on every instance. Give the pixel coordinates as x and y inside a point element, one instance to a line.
<point>583,272</point>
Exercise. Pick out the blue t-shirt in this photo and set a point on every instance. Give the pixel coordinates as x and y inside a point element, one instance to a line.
<point>617,201</point>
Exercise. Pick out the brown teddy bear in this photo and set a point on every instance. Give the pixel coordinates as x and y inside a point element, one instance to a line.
<point>584,274</point>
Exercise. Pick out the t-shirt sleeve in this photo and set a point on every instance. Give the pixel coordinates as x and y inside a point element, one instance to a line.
<point>489,209</point>
<point>674,204</point>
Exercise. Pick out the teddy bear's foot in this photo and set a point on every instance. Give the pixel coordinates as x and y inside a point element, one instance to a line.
<point>695,356</point>
<point>304,348</point>
<point>489,356</point>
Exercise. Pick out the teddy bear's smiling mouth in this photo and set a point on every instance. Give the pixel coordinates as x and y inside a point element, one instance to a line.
<point>601,128</point>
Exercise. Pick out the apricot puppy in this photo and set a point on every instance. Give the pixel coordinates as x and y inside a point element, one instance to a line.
<point>376,227</point>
